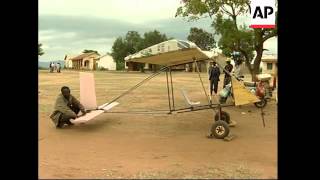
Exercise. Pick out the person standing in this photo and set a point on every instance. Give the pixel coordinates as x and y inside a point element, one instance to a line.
<point>214,74</point>
<point>227,77</point>
<point>50,67</point>
<point>58,67</point>
<point>54,66</point>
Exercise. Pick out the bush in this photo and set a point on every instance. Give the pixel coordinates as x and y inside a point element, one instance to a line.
<point>43,68</point>
<point>103,69</point>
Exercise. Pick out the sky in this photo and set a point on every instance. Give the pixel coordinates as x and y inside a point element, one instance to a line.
<point>70,26</point>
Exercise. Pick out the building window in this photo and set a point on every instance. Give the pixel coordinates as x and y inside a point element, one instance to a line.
<point>269,66</point>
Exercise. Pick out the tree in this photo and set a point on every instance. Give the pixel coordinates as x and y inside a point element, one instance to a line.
<point>89,51</point>
<point>151,38</point>
<point>132,43</point>
<point>40,50</point>
<point>204,40</point>
<point>119,52</point>
<point>122,47</point>
<point>233,37</point>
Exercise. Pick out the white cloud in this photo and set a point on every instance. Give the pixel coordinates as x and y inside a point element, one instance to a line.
<point>70,26</point>
<point>134,11</point>
<point>272,45</point>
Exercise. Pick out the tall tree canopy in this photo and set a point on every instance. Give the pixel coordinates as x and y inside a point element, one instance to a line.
<point>234,37</point>
<point>152,38</point>
<point>203,39</point>
<point>132,43</point>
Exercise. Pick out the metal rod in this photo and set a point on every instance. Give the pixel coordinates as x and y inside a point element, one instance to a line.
<point>207,97</point>
<point>193,109</point>
<point>219,109</point>
<point>262,116</point>
<point>172,95</point>
<point>168,91</point>
<point>209,106</point>
<point>137,85</point>
<point>172,65</point>
<point>140,112</point>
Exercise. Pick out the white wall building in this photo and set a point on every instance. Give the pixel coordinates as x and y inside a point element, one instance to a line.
<point>268,64</point>
<point>106,61</point>
<point>68,61</point>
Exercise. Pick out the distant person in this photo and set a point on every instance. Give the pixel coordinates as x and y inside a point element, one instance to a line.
<point>66,107</point>
<point>58,67</point>
<point>227,77</point>
<point>54,66</point>
<point>51,67</point>
<point>214,74</point>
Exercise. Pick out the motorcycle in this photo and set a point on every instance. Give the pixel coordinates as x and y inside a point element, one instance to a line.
<point>261,88</point>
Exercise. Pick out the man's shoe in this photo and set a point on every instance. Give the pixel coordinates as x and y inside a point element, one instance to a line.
<point>232,123</point>
<point>69,123</point>
<point>60,125</point>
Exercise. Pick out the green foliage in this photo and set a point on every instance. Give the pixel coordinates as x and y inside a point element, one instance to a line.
<point>89,51</point>
<point>233,37</point>
<point>40,50</point>
<point>103,69</point>
<point>43,68</point>
<point>119,52</point>
<point>204,40</point>
<point>132,43</point>
<point>152,38</point>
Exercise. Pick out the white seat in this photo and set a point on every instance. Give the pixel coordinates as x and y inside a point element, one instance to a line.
<point>188,100</point>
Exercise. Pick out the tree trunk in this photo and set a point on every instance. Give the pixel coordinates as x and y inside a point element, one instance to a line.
<point>257,60</point>
<point>142,67</point>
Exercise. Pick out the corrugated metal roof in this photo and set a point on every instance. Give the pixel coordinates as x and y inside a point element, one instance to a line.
<point>81,56</point>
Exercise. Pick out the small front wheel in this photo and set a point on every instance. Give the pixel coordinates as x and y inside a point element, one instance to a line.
<point>220,129</point>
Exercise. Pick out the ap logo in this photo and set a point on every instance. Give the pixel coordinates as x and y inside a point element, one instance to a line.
<point>262,14</point>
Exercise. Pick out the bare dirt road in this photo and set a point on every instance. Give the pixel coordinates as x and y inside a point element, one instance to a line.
<point>121,145</point>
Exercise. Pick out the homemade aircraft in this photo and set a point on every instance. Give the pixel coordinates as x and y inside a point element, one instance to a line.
<point>169,54</point>
<point>88,99</point>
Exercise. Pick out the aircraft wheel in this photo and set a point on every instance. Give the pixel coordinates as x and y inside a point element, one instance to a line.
<point>261,103</point>
<point>224,117</point>
<point>220,129</point>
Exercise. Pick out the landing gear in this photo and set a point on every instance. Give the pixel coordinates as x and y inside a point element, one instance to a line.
<point>224,116</point>
<point>220,128</point>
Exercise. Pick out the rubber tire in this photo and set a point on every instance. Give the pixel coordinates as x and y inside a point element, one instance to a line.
<point>224,117</point>
<point>261,104</point>
<point>216,125</point>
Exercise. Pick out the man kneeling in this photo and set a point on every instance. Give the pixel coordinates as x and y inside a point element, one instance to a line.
<point>66,107</point>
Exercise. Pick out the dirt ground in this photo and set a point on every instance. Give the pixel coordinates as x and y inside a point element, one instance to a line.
<point>123,145</point>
